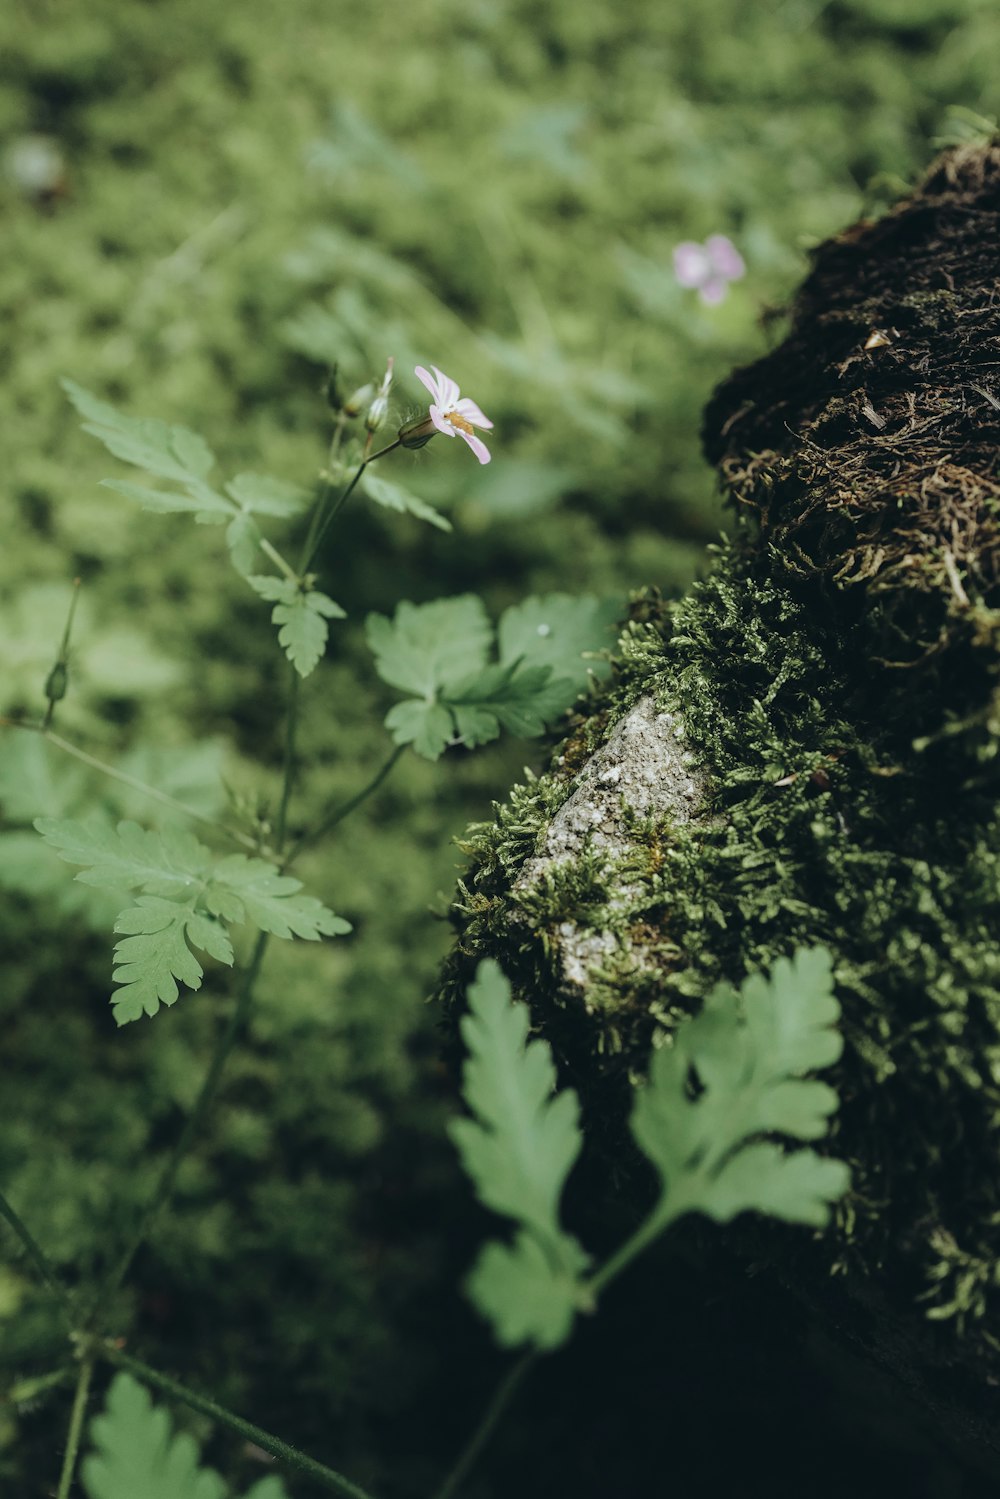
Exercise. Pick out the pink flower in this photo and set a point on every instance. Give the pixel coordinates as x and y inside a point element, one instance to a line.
<point>709,267</point>
<point>453,414</point>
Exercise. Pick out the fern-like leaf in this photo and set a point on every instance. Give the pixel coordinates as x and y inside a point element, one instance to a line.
<point>747,1053</point>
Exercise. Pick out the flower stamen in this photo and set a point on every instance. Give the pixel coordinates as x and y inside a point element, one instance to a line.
<point>458,421</point>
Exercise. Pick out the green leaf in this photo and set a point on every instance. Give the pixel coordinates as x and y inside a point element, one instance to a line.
<point>439,652</point>
<point>258,494</point>
<point>395,497</point>
<point>153,955</point>
<point>169,452</point>
<point>427,726</point>
<point>747,1053</point>
<point>137,1455</point>
<point>560,631</point>
<point>206,506</point>
<point>517,698</point>
<point>252,890</point>
<point>425,648</point>
<point>243,541</point>
<point>302,617</point>
<point>525,1298</point>
<point>170,863</point>
<point>518,1149</point>
<point>522,1141</point>
<point>189,894</point>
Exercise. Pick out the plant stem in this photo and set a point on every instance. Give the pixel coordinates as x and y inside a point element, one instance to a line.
<point>164,1186</point>
<point>75,1428</point>
<point>38,1259</point>
<point>491,1416</point>
<point>288,777</point>
<point>321,521</point>
<point>126,780</point>
<point>329,1478</point>
<point>329,820</point>
<point>645,1234</point>
<point>278,560</point>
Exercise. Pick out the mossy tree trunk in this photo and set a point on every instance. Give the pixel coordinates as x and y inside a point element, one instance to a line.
<point>804,751</point>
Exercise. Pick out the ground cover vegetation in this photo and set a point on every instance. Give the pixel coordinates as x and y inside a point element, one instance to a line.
<point>237,205</point>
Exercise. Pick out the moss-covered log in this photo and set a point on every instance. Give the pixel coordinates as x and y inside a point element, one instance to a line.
<point>804,750</point>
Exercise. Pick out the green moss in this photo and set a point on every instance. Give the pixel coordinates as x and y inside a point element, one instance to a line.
<point>822,825</point>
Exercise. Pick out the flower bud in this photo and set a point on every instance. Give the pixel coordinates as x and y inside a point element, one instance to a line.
<point>356,403</point>
<point>56,682</point>
<point>416,433</point>
<point>379,407</point>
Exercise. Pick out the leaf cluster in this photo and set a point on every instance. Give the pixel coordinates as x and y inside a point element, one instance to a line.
<point>711,1117</point>
<point>440,655</point>
<point>190,898</point>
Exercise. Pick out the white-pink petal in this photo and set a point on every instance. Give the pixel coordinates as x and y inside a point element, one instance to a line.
<point>426,378</point>
<point>726,259</point>
<point>477,445</point>
<point>437,417</point>
<point>472,413</point>
<point>713,290</point>
<point>691,263</point>
<point>449,391</point>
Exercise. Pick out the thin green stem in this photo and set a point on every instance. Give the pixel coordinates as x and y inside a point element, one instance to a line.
<point>125,779</point>
<point>165,1185</point>
<point>329,820</point>
<point>502,1397</point>
<point>288,776</point>
<point>278,560</point>
<point>323,518</point>
<point>644,1235</point>
<point>328,1478</point>
<point>36,1256</point>
<point>75,1428</point>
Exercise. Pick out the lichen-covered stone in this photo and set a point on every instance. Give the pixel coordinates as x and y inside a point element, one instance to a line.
<point>835,679</point>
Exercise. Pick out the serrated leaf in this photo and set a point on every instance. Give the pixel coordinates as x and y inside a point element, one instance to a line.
<point>206,506</point>
<point>169,452</point>
<point>439,653</point>
<point>301,616</point>
<point>522,1141</point>
<point>747,1052</point>
<point>138,1456</point>
<point>129,857</point>
<point>395,497</point>
<point>520,1292</point>
<point>796,1186</point>
<point>518,698</point>
<point>259,494</point>
<point>244,889</point>
<point>153,956</point>
<point>427,647</point>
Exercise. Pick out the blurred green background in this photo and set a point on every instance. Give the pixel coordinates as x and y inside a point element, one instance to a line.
<point>203,206</point>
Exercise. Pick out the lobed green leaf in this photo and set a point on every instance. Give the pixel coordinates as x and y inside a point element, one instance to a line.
<point>138,1456</point>
<point>518,1148</point>
<point>747,1052</point>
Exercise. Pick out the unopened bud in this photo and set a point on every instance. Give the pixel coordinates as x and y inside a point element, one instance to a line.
<point>56,682</point>
<point>380,406</point>
<point>355,404</point>
<point>414,434</point>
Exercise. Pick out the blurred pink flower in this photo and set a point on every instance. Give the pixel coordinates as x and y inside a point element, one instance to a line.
<point>452,413</point>
<point>708,267</point>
